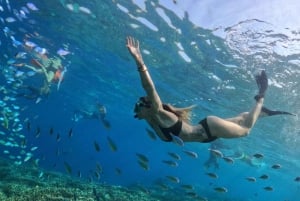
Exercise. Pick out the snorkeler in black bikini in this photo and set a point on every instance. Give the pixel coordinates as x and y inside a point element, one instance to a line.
<point>168,121</point>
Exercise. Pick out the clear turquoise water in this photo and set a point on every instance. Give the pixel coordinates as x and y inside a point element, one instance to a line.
<point>218,78</point>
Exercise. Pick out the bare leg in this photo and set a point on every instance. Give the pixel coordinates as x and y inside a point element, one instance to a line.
<point>240,125</point>
<point>237,126</point>
<point>253,115</point>
<point>262,83</point>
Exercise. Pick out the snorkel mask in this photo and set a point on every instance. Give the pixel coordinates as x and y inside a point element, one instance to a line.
<point>142,102</point>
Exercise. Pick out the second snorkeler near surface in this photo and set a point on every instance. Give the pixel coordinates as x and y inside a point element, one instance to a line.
<point>169,121</point>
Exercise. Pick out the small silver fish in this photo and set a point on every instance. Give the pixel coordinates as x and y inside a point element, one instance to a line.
<point>170,163</point>
<point>216,152</point>
<point>10,19</point>
<point>251,179</point>
<point>68,168</point>
<point>22,14</point>
<point>264,176</point>
<point>258,155</point>
<point>142,157</point>
<point>96,146</point>
<point>221,189</point>
<point>31,6</point>
<point>20,55</point>
<point>40,50</point>
<point>173,179</point>
<point>151,134</point>
<point>19,73</point>
<point>228,160</point>
<point>85,10</point>
<point>174,155</point>
<point>30,73</point>
<point>97,175</point>
<point>62,52</point>
<point>112,144</point>
<point>99,168</point>
<point>30,44</point>
<point>41,174</point>
<point>163,186</point>
<point>8,5</point>
<point>37,132</point>
<point>268,188</point>
<point>25,10</point>
<point>11,61</point>
<point>118,171</point>
<point>177,140</point>
<point>58,137</point>
<point>191,153</point>
<point>143,165</point>
<point>70,134</point>
<point>212,175</point>
<point>276,166</point>
<point>187,187</point>
<point>191,194</point>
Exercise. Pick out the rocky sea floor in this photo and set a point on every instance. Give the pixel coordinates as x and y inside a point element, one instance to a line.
<point>29,183</point>
<point>25,183</point>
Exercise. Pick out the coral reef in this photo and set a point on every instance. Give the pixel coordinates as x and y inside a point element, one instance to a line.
<point>24,183</point>
<point>30,183</point>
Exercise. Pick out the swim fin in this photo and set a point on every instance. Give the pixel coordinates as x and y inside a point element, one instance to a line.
<point>266,112</point>
<point>262,83</point>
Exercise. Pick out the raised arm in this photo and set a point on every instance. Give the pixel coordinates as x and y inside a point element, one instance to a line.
<point>147,83</point>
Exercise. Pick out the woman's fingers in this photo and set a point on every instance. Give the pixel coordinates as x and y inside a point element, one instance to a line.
<point>129,41</point>
<point>136,43</point>
<point>132,42</point>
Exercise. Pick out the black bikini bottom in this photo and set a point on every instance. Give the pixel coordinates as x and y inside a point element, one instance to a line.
<point>210,138</point>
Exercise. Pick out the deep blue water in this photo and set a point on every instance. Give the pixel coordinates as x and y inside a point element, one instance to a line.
<point>218,78</point>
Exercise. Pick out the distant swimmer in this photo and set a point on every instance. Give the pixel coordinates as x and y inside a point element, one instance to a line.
<point>51,67</point>
<point>169,121</point>
<point>35,93</point>
<point>99,112</point>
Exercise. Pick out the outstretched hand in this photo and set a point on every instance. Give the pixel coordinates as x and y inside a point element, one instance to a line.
<point>134,49</point>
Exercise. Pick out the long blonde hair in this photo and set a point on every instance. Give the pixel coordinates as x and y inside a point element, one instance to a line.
<point>182,113</point>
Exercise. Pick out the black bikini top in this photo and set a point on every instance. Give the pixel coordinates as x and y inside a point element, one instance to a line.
<point>174,130</point>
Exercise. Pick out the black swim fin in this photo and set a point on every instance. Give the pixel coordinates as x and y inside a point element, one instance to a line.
<point>266,112</point>
<point>262,83</point>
